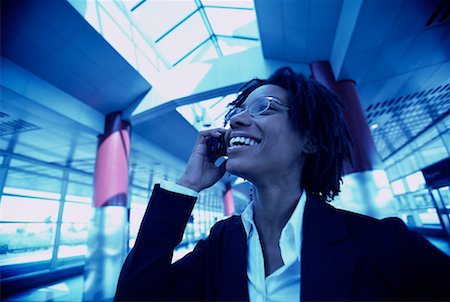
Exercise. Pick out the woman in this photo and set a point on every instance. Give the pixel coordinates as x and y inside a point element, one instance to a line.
<point>287,136</point>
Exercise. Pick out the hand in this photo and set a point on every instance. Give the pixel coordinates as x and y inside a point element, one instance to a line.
<point>201,173</point>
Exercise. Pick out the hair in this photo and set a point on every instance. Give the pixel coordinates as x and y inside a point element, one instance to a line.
<point>315,110</point>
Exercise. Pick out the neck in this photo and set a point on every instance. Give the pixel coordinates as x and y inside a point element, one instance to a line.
<point>274,204</point>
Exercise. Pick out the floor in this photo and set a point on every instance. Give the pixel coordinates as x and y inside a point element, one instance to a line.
<point>69,290</point>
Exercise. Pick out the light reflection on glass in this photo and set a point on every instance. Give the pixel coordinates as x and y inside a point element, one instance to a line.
<point>415,181</point>
<point>183,38</point>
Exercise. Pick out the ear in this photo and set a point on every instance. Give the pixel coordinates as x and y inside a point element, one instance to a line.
<point>310,146</point>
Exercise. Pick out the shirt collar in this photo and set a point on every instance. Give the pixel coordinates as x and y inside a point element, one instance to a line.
<point>294,223</point>
<point>247,218</point>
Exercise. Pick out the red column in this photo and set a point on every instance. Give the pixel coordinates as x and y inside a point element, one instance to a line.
<point>228,200</point>
<point>111,167</point>
<point>365,156</point>
<point>108,234</point>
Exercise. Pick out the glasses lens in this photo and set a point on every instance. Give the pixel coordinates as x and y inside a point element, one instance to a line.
<point>259,106</point>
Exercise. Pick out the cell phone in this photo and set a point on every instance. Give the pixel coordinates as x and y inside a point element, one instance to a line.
<point>216,146</point>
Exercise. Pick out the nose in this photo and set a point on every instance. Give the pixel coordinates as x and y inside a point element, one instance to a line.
<point>241,119</point>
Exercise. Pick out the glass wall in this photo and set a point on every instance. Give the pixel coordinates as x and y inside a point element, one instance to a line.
<point>414,201</point>
<point>46,211</point>
<point>207,210</point>
<point>28,228</point>
<point>29,206</point>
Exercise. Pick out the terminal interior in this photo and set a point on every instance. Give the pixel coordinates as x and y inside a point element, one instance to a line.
<point>162,71</point>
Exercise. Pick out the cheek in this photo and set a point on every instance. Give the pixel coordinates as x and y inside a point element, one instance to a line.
<point>283,138</point>
<point>288,145</point>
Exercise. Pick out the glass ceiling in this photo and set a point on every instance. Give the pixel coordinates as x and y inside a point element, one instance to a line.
<point>188,31</point>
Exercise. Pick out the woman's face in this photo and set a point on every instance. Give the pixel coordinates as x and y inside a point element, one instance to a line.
<point>273,149</point>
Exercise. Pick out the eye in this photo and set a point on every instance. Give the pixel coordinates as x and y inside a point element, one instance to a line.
<point>270,109</point>
<point>258,107</point>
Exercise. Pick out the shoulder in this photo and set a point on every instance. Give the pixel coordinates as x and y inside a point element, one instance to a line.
<point>390,238</point>
<point>357,221</point>
<point>373,231</point>
<point>337,224</point>
<point>385,247</point>
<point>230,228</point>
<point>227,224</point>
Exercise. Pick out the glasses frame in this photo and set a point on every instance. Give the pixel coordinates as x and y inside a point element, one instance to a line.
<point>238,110</point>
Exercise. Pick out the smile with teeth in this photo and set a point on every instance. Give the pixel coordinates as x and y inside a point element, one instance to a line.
<point>242,141</point>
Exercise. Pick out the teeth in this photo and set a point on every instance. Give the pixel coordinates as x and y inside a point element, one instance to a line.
<point>239,140</point>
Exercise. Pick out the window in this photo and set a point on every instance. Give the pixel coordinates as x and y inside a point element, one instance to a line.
<point>398,187</point>
<point>36,225</point>
<point>137,212</point>
<point>74,229</point>
<point>433,151</point>
<point>194,31</point>
<point>415,181</point>
<point>414,201</point>
<point>28,229</point>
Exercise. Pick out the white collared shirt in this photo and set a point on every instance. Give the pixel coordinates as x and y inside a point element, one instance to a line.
<point>284,283</point>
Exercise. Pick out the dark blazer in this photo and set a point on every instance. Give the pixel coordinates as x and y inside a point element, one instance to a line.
<point>345,256</point>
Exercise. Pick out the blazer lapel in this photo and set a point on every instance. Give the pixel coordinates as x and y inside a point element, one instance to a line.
<point>235,287</point>
<point>327,267</point>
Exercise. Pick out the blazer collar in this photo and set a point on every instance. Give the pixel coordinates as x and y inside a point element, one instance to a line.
<point>322,222</point>
<point>327,266</point>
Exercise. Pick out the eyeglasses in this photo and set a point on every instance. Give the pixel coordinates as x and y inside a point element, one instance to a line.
<point>257,107</point>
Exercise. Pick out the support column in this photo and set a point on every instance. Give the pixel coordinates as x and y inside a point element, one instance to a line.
<point>365,187</point>
<point>108,236</point>
<point>228,200</point>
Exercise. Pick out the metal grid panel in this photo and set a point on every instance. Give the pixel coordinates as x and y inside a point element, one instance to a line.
<point>401,119</point>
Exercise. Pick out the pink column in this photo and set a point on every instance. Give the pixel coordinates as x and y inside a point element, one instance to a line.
<point>111,167</point>
<point>108,234</point>
<point>366,188</point>
<point>228,200</point>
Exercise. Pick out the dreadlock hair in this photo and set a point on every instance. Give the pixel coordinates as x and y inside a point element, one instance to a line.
<point>318,112</point>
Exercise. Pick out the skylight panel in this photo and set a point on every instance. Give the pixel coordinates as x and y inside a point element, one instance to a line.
<point>230,46</point>
<point>131,4</point>
<point>233,22</point>
<point>158,17</point>
<point>229,3</point>
<point>188,31</point>
<point>205,52</point>
<point>183,39</point>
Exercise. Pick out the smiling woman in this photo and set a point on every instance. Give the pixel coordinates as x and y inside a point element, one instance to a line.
<point>288,137</point>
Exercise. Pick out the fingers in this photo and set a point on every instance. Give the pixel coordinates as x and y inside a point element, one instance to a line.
<point>216,132</point>
<point>205,134</point>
